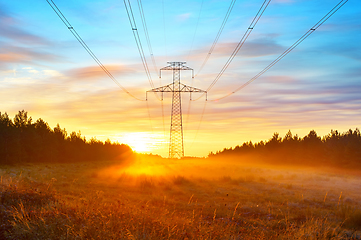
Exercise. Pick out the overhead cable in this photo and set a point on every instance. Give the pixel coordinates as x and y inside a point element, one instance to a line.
<point>86,47</point>
<point>133,25</point>
<point>230,8</point>
<point>293,46</point>
<point>142,16</point>
<point>241,42</point>
<point>150,118</point>
<point>195,31</point>
<point>164,31</point>
<point>147,35</point>
<point>217,37</point>
<point>200,122</point>
<point>190,50</point>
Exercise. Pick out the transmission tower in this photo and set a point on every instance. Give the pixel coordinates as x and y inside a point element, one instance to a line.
<point>176,148</point>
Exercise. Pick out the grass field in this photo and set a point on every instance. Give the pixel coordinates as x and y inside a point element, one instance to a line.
<point>177,199</point>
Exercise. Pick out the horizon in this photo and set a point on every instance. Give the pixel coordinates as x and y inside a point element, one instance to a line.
<point>28,120</point>
<point>46,72</point>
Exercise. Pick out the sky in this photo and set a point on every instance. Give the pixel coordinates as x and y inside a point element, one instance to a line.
<point>46,72</point>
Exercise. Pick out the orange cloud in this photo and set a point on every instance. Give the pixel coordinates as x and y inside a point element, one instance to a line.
<point>92,72</point>
<point>11,57</point>
<point>13,54</point>
<point>251,48</point>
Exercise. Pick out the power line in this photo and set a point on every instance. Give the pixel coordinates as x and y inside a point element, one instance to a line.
<point>166,55</point>
<point>293,46</point>
<point>164,30</point>
<point>211,49</point>
<point>133,25</point>
<point>217,36</point>
<point>195,31</point>
<point>86,47</point>
<point>190,50</point>
<point>188,111</point>
<point>142,16</point>
<point>147,35</point>
<point>241,42</point>
<point>150,118</point>
<point>200,122</point>
<point>163,117</point>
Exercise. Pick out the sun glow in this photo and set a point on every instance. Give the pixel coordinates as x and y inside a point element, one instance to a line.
<point>141,142</point>
<point>140,147</point>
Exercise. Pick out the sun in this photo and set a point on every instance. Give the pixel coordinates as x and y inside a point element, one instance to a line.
<point>143,142</point>
<point>140,147</point>
<point>140,142</point>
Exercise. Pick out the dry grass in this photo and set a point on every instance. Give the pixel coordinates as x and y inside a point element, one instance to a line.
<point>103,201</point>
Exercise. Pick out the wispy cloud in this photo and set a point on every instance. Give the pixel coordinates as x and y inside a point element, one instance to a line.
<point>9,28</point>
<point>254,48</point>
<point>183,17</point>
<point>282,1</point>
<point>259,47</point>
<point>11,32</point>
<point>94,72</point>
<point>16,54</point>
<point>17,45</point>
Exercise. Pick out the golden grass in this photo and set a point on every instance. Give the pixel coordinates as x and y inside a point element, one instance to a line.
<point>185,199</point>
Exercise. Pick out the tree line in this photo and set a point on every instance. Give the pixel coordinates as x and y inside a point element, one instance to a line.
<point>342,150</point>
<point>25,141</point>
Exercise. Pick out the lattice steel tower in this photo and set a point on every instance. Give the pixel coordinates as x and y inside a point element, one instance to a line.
<point>176,148</point>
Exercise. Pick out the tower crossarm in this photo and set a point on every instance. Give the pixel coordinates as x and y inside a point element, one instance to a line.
<point>175,66</point>
<point>183,88</point>
<point>186,88</point>
<point>170,88</point>
<point>166,88</point>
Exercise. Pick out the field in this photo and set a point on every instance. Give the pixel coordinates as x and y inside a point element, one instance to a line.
<point>177,199</point>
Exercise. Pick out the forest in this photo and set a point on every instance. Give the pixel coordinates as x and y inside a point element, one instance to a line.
<point>25,141</point>
<point>341,150</point>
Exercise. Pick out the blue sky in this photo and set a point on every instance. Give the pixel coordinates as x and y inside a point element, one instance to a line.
<point>45,71</point>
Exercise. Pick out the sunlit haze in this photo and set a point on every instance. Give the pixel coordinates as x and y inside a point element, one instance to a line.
<point>45,71</point>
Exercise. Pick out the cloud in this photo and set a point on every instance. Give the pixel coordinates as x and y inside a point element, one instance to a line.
<point>52,73</point>
<point>13,54</point>
<point>282,1</point>
<point>251,49</point>
<point>4,16</point>
<point>17,45</point>
<point>9,29</point>
<point>96,72</point>
<point>183,17</point>
<point>261,47</point>
<point>255,48</point>
<point>11,57</point>
<point>13,33</point>
<point>290,98</point>
<point>280,79</point>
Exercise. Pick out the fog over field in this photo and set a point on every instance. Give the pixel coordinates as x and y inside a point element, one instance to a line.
<point>155,198</point>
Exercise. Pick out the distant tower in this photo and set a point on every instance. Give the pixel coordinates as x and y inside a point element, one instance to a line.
<point>176,148</point>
